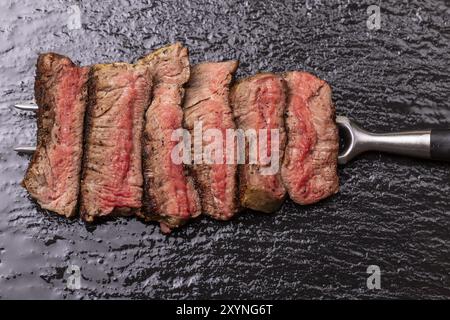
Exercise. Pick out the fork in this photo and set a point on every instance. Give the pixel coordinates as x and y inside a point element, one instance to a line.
<point>431,144</point>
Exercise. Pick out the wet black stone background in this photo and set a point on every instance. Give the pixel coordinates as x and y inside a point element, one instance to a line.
<point>391,211</point>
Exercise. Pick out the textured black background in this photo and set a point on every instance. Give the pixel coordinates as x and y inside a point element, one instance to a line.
<point>392,212</point>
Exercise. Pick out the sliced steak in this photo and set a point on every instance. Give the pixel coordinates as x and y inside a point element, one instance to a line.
<point>207,104</point>
<point>258,103</point>
<point>53,176</point>
<point>309,170</point>
<point>119,94</point>
<point>169,195</point>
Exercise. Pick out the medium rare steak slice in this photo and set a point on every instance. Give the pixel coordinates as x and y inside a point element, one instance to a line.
<point>207,104</point>
<point>309,170</point>
<point>169,193</point>
<point>119,94</point>
<point>258,103</point>
<point>53,176</point>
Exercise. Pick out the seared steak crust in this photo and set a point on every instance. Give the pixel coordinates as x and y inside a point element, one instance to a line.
<point>207,101</point>
<point>53,174</point>
<point>169,193</point>
<point>258,102</point>
<point>309,170</point>
<point>119,94</point>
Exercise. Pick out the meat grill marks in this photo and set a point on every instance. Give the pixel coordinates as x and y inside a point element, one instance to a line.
<point>169,195</point>
<point>119,94</point>
<point>258,103</point>
<point>53,175</point>
<point>207,101</point>
<point>309,170</point>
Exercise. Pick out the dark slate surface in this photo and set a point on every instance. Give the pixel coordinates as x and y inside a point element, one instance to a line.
<point>392,212</point>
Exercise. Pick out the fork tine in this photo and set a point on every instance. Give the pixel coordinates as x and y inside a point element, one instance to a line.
<point>26,106</point>
<point>25,149</point>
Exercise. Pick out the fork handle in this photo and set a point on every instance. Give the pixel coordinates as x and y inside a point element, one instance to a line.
<point>440,144</point>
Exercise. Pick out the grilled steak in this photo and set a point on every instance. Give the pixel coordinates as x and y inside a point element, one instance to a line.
<point>169,195</point>
<point>53,175</point>
<point>119,94</point>
<point>309,169</point>
<point>258,103</point>
<point>207,103</point>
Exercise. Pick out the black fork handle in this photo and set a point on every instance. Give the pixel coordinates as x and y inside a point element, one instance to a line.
<point>440,144</point>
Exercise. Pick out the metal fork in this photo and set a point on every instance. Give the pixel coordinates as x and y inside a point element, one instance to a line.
<point>26,106</point>
<point>431,144</point>
<point>427,144</point>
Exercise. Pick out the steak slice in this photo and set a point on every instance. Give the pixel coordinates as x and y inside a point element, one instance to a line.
<point>309,169</point>
<point>258,103</point>
<point>53,176</point>
<point>169,193</point>
<point>207,102</point>
<point>119,94</point>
